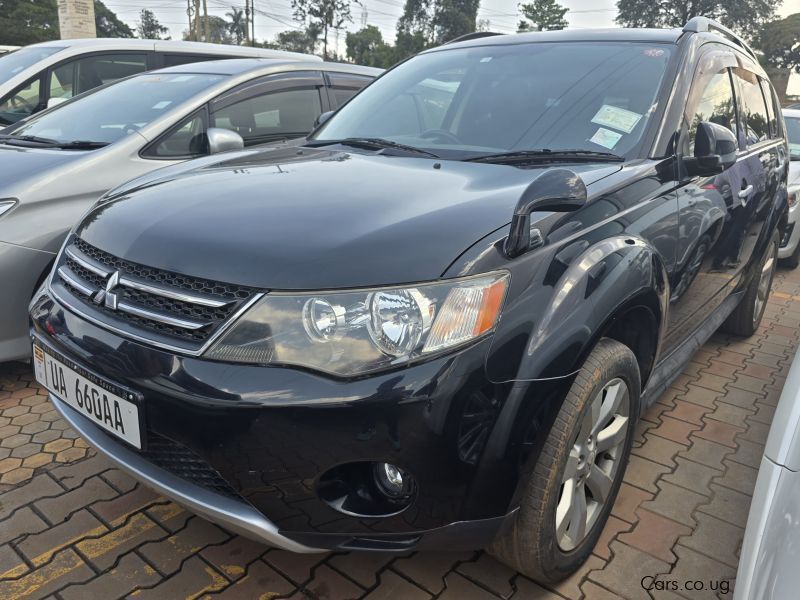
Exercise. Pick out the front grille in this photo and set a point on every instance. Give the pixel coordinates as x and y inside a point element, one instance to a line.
<point>154,303</point>
<point>186,464</point>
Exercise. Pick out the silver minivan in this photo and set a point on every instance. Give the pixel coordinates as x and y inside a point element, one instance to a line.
<point>45,74</point>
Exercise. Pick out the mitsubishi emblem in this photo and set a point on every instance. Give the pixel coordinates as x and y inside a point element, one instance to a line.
<point>106,296</point>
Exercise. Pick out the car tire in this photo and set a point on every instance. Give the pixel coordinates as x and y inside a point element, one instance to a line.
<point>746,317</point>
<point>791,261</point>
<point>538,543</point>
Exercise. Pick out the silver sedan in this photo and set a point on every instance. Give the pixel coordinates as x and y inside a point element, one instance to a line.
<point>57,163</point>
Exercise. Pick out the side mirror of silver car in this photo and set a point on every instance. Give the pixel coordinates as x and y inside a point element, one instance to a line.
<point>222,140</point>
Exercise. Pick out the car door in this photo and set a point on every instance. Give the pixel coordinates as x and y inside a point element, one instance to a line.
<point>273,108</point>
<point>709,207</point>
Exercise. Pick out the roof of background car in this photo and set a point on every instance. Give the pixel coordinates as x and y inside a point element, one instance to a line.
<point>572,35</point>
<point>170,46</point>
<point>237,66</point>
<point>791,112</point>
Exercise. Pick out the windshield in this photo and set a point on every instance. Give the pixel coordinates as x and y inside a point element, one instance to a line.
<point>113,112</point>
<point>15,62</point>
<point>793,133</point>
<point>558,96</point>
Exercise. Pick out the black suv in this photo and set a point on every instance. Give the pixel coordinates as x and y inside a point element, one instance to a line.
<point>436,321</point>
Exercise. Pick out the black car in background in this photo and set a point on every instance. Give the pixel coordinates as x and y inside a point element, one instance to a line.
<point>436,322</point>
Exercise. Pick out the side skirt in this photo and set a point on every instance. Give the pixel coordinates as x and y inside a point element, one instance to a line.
<point>671,366</point>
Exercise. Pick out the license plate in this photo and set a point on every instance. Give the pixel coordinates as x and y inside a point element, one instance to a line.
<point>99,401</point>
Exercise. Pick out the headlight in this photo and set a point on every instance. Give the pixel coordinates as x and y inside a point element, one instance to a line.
<point>793,192</point>
<point>349,333</point>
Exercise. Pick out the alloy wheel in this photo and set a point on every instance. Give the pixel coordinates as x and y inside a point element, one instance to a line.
<point>593,464</point>
<point>764,281</point>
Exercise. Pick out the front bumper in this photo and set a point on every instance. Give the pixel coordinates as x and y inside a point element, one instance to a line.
<point>791,236</point>
<point>20,269</point>
<point>271,433</point>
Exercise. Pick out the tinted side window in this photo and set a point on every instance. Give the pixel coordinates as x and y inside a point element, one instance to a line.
<point>171,60</point>
<point>752,108</point>
<point>187,139</point>
<point>345,86</point>
<point>713,104</point>
<point>21,103</point>
<point>772,109</point>
<point>285,113</point>
<point>95,71</point>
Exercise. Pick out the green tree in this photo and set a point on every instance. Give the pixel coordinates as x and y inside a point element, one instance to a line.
<point>322,15</point>
<point>779,43</point>
<point>745,16</point>
<point>237,25</point>
<point>543,15</point>
<point>297,40</point>
<point>454,18</point>
<point>149,28</point>
<point>25,22</point>
<point>366,47</point>
<point>414,28</point>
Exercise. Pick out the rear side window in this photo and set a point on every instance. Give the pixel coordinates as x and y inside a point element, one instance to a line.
<point>275,115</point>
<point>753,108</point>
<point>714,103</point>
<point>95,71</point>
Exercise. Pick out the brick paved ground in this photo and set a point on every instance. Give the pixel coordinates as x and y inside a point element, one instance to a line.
<point>72,527</point>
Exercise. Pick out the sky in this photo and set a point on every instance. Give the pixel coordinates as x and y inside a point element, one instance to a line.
<point>274,16</point>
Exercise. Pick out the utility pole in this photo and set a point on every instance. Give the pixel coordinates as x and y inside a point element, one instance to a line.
<point>253,21</point>
<point>189,15</point>
<point>197,34</point>
<point>248,41</point>
<point>205,16</point>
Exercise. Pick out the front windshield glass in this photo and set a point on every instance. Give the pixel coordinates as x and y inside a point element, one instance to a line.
<point>15,62</point>
<point>113,112</point>
<point>490,99</point>
<point>793,133</point>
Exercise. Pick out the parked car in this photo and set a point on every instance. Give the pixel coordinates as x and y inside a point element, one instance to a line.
<point>57,163</point>
<point>6,49</point>
<point>435,323</point>
<point>790,240</point>
<point>770,548</point>
<point>41,75</point>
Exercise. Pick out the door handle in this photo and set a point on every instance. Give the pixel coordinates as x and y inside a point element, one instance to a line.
<point>745,193</point>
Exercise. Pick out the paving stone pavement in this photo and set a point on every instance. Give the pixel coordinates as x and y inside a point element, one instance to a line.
<point>73,527</point>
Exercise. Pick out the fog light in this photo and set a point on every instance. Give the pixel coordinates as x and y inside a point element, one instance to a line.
<point>392,480</point>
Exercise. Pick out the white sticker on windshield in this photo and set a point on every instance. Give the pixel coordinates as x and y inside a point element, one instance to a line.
<point>605,138</point>
<point>162,104</point>
<point>618,118</point>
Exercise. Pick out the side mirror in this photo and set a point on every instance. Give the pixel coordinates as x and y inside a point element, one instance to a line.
<point>557,190</point>
<point>55,102</point>
<point>222,140</point>
<point>322,118</point>
<point>714,150</point>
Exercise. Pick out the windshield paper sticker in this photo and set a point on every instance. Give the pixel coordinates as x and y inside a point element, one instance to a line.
<point>618,118</point>
<point>605,138</point>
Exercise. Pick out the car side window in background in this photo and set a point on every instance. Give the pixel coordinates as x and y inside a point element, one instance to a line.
<point>187,139</point>
<point>712,102</point>
<point>95,71</point>
<point>753,108</point>
<point>21,103</point>
<point>171,60</point>
<point>345,86</point>
<point>62,80</point>
<point>276,115</point>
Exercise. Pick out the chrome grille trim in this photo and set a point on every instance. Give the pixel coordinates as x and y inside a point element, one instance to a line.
<point>173,295</point>
<point>70,278</point>
<point>162,308</point>
<point>161,318</point>
<point>86,262</point>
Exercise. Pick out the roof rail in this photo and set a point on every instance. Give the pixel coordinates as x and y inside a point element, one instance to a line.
<point>475,35</point>
<point>706,25</point>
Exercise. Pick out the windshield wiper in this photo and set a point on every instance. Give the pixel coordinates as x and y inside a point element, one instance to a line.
<point>545,155</point>
<point>28,139</point>
<point>371,144</point>
<point>81,145</point>
<point>49,143</point>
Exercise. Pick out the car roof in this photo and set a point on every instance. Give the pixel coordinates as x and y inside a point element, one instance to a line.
<point>239,66</point>
<point>169,46</point>
<point>669,36</point>
<point>791,112</point>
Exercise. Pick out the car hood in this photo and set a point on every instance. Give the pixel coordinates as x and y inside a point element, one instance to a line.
<point>315,218</point>
<point>21,164</point>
